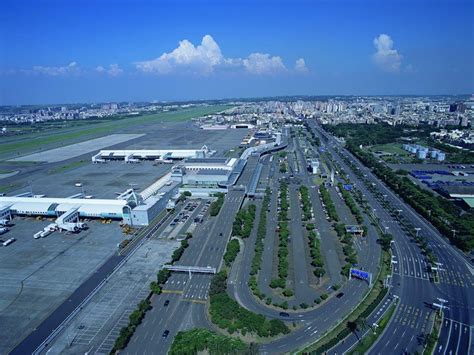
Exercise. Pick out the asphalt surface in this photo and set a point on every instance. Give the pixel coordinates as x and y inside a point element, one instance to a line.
<point>311,323</point>
<point>188,296</point>
<point>411,280</point>
<point>36,338</point>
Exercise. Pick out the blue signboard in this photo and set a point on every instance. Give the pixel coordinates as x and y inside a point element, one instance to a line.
<point>347,187</point>
<point>360,274</point>
<point>321,149</point>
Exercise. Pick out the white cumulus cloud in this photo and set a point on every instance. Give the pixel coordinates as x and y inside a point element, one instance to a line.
<point>260,63</point>
<point>200,59</point>
<point>206,58</point>
<point>300,66</point>
<point>386,57</point>
<point>70,69</point>
<point>113,70</point>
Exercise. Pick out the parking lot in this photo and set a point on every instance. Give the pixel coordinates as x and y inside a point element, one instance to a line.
<point>39,274</point>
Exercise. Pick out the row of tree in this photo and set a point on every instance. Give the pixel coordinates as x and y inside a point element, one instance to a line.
<point>314,139</point>
<point>327,200</point>
<point>217,204</point>
<point>179,252</point>
<point>445,215</point>
<point>135,319</point>
<point>346,195</point>
<point>442,213</point>
<point>315,251</point>
<point>233,248</point>
<point>156,287</point>
<point>243,222</point>
<point>283,235</point>
<point>305,200</point>
<point>259,245</point>
<point>347,247</point>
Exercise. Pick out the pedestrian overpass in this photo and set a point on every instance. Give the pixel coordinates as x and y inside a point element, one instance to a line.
<point>191,269</point>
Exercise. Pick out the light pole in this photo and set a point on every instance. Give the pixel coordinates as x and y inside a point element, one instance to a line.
<point>417,230</point>
<point>386,229</point>
<point>454,233</point>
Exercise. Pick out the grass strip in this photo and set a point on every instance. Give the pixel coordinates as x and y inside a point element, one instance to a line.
<point>363,310</point>
<point>366,343</point>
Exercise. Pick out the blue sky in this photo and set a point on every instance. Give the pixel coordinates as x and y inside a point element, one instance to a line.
<point>104,50</point>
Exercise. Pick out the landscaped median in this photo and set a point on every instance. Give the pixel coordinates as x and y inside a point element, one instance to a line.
<point>432,338</point>
<point>201,340</point>
<point>366,342</point>
<point>224,311</point>
<point>283,236</point>
<point>217,204</point>
<point>363,310</point>
<point>227,314</point>
<point>257,258</point>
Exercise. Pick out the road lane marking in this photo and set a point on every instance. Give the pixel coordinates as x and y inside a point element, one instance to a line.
<point>193,300</point>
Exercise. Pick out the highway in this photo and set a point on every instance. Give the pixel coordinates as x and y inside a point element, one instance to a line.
<point>411,280</point>
<point>188,296</point>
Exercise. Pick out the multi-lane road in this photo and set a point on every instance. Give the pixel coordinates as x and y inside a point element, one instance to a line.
<point>187,296</point>
<point>411,280</point>
<point>311,323</point>
<point>181,306</point>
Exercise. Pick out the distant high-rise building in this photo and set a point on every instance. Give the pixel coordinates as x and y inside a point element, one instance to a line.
<point>464,121</point>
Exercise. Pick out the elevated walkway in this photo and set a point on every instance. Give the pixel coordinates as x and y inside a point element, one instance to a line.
<point>191,269</point>
<point>153,188</point>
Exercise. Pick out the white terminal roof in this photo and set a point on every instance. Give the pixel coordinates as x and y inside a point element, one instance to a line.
<point>210,163</point>
<point>86,206</point>
<point>143,153</point>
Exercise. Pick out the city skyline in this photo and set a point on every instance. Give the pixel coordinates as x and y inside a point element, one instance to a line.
<point>94,52</point>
